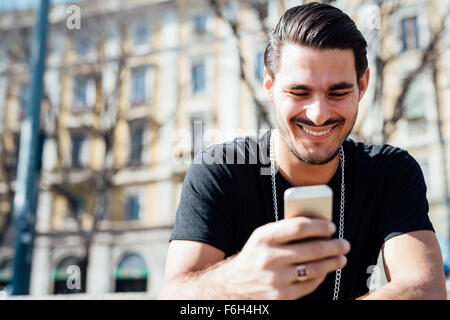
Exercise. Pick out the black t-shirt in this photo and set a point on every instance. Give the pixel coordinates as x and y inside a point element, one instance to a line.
<point>227,194</point>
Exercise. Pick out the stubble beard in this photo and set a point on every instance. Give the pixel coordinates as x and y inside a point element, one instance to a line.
<point>284,133</point>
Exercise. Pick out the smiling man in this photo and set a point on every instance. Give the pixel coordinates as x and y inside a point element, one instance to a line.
<point>230,241</point>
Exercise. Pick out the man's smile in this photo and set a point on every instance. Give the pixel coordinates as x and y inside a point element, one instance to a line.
<point>317,133</point>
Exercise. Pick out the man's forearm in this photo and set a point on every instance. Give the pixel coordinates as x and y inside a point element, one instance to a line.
<point>405,291</point>
<point>209,283</point>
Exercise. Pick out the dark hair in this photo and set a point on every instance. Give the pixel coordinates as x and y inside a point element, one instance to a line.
<point>319,26</point>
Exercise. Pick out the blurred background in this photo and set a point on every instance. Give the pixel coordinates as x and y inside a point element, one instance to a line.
<point>132,90</point>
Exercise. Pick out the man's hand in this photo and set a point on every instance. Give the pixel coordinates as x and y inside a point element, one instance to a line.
<point>266,266</point>
<point>264,269</point>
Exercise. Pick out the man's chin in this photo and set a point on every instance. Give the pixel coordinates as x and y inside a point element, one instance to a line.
<point>313,158</point>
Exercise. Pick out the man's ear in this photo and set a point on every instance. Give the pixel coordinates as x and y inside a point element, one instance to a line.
<point>268,84</point>
<point>364,83</point>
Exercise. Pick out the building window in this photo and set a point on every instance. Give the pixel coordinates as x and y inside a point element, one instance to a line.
<point>415,106</point>
<point>199,24</point>
<point>416,100</point>
<point>132,207</point>
<point>112,41</point>
<point>198,78</point>
<point>84,45</point>
<point>131,274</point>
<point>84,93</point>
<point>410,33</point>
<point>140,34</point>
<point>67,277</point>
<point>76,206</point>
<point>259,66</point>
<point>80,94</point>
<point>136,145</point>
<point>78,145</point>
<point>139,85</point>
<point>6,273</point>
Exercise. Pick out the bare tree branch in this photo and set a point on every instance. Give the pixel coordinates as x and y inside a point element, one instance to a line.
<point>429,55</point>
<point>234,25</point>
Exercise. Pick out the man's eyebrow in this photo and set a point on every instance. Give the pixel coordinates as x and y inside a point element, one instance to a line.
<point>297,86</point>
<point>341,85</point>
<point>337,86</point>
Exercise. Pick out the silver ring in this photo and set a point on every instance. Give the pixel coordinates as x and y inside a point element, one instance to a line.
<point>301,272</point>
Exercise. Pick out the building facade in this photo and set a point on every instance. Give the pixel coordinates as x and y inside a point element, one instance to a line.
<point>130,96</point>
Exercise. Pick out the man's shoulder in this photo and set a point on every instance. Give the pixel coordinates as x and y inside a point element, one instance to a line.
<point>385,155</point>
<point>383,151</point>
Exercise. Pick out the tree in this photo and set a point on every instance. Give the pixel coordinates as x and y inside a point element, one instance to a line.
<point>384,56</point>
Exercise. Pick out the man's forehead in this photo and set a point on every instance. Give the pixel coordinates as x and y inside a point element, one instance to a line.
<point>316,67</point>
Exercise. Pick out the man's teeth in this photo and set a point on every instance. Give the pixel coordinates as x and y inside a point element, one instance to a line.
<point>316,134</point>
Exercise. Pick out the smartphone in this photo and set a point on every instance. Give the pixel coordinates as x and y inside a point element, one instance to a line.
<point>310,201</point>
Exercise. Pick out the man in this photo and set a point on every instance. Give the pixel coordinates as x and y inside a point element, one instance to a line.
<point>229,239</point>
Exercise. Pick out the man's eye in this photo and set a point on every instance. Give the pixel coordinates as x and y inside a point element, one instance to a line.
<point>299,94</point>
<point>338,94</point>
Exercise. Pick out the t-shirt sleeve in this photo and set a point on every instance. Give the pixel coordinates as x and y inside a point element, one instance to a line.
<point>405,206</point>
<point>206,206</point>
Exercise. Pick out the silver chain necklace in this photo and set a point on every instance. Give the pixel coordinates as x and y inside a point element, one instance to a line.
<point>337,281</point>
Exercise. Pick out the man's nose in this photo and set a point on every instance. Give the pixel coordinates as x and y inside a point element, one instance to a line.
<point>318,112</point>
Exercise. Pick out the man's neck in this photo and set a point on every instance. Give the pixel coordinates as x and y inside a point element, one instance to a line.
<point>300,173</point>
